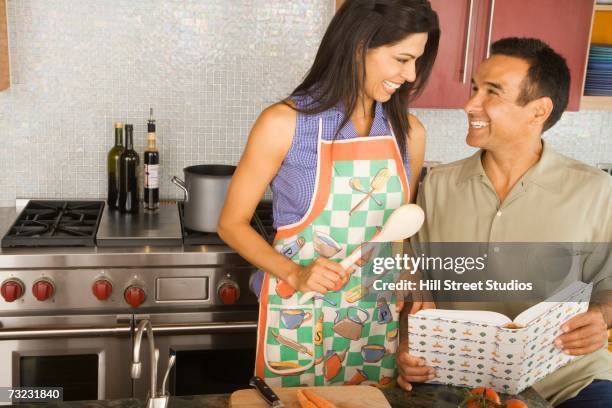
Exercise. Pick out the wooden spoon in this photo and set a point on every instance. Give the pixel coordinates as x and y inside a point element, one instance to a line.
<point>403,223</point>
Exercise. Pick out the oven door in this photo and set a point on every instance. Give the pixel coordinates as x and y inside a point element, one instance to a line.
<point>89,356</point>
<point>215,351</point>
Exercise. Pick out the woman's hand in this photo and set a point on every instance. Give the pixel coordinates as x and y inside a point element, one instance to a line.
<point>322,275</point>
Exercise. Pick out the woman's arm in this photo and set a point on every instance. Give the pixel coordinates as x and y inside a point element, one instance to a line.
<point>267,146</point>
<point>416,153</point>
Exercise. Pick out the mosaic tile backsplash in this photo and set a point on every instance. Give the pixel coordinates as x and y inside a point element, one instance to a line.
<point>206,67</point>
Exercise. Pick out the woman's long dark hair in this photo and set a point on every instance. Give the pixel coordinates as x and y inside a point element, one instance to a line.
<point>338,71</point>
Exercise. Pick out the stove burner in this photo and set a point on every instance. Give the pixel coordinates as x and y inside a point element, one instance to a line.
<point>55,223</point>
<point>262,222</point>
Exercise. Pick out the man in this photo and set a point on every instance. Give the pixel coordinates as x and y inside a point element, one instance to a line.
<point>517,189</point>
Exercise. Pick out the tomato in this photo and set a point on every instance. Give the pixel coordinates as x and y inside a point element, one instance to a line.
<point>488,393</point>
<point>515,403</point>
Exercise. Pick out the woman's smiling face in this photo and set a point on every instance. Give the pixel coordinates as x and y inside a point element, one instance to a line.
<point>389,66</point>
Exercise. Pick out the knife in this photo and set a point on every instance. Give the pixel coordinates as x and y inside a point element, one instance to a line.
<point>266,392</point>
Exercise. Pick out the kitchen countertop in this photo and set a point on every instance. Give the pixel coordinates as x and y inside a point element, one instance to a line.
<point>97,257</point>
<point>422,396</point>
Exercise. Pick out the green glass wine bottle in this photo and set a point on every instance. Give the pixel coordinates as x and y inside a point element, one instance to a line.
<point>128,174</point>
<point>112,166</point>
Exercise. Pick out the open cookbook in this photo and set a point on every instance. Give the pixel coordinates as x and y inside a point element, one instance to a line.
<point>487,349</point>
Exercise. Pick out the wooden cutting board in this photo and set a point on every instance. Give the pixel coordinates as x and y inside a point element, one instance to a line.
<point>344,396</point>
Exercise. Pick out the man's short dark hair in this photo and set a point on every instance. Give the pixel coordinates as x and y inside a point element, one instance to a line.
<point>548,74</point>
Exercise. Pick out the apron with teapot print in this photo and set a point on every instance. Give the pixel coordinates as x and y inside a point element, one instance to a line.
<point>347,336</point>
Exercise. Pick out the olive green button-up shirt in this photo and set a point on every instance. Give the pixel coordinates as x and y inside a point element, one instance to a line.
<point>557,200</point>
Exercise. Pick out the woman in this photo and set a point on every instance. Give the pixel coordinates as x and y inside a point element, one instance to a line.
<point>340,154</point>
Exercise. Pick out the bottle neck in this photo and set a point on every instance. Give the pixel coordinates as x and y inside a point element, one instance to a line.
<point>118,136</point>
<point>151,145</point>
<point>129,141</point>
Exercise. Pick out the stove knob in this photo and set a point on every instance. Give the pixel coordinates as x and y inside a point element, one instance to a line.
<point>102,289</point>
<point>43,289</point>
<point>134,295</point>
<point>229,292</point>
<point>12,289</point>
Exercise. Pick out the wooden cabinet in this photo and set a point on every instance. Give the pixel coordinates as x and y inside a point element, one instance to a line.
<point>449,84</point>
<point>564,24</point>
<point>4,61</point>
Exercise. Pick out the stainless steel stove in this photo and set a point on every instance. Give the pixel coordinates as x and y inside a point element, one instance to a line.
<point>67,308</point>
<point>55,223</point>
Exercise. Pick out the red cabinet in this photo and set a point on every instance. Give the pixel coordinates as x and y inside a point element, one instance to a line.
<point>564,24</point>
<point>449,83</point>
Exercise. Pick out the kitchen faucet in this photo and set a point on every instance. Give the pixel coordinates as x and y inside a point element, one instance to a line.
<point>156,400</point>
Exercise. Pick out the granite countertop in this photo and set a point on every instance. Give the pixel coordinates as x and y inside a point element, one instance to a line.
<point>422,396</point>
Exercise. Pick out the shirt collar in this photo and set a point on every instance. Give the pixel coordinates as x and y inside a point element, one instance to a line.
<point>545,173</point>
<point>472,168</point>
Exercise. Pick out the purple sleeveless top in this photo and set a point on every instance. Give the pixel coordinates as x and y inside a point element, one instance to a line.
<point>293,186</point>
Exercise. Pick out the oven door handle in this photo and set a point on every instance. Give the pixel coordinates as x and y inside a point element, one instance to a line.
<point>204,328</point>
<point>65,332</point>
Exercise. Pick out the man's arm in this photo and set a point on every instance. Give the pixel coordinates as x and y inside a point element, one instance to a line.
<point>588,332</point>
<point>603,300</point>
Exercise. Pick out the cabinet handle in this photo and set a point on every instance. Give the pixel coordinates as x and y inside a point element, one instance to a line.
<point>490,32</point>
<point>64,332</point>
<point>204,328</point>
<point>466,54</point>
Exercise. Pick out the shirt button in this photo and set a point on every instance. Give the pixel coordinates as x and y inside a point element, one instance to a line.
<point>499,213</point>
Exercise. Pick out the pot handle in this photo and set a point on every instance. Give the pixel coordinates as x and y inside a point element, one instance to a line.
<point>181,184</point>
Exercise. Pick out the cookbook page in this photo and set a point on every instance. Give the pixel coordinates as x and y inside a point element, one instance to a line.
<point>471,316</point>
<point>575,292</point>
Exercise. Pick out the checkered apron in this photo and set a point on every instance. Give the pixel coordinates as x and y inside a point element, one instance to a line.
<point>343,337</point>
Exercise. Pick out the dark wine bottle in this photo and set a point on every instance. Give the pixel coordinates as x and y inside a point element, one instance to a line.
<point>112,167</point>
<point>151,168</point>
<point>128,174</point>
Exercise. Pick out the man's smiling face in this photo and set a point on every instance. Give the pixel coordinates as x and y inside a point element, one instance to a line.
<point>496,118</point>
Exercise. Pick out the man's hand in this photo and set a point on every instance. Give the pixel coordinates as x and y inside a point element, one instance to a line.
<point>583,333</point>
<point>411,368</point>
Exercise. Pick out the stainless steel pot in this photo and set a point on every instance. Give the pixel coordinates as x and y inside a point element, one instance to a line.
<point>205,188</point>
